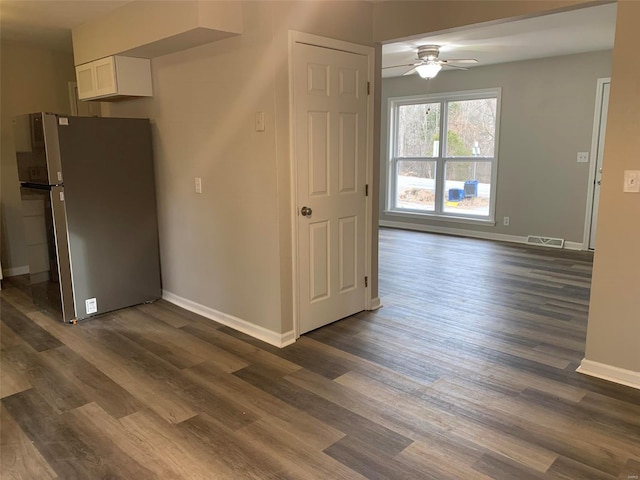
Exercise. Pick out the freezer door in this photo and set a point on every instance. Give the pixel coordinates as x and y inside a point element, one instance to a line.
<point>111,212</point>
<point>37,151</point>
<point>46,238</point>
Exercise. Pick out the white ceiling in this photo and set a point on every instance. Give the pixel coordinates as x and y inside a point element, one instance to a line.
<point>48,23</point>
<point>577,31</point>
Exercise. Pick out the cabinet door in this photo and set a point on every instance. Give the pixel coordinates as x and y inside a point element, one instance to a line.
<point>85,75</point>
<point>105,75</point>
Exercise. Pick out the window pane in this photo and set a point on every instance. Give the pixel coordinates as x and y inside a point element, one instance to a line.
<point>471,128</point>
<point>416,185</point>
<point>467,188</point>
<point>418,127</point>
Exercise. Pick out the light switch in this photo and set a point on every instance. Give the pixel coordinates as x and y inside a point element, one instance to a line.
<point>259,121</point>
<point>631,181</point>
<point>583,157</point>
<point>198,185</point>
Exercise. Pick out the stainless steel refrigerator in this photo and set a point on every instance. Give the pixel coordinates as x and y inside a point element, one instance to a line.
<point>89,212</point>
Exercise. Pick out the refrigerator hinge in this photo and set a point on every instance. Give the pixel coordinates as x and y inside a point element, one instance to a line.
<point>366,281</point>
<point>366,190</point>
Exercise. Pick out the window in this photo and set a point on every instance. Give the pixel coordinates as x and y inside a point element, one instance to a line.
<point>443,154</point>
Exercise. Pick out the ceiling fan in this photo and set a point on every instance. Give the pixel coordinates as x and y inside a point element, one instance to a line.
<point>428,64</point>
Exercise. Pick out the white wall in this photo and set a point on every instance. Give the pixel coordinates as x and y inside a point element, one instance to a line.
<point>546,118</point>
<point>33,79</point>
<point>229,248</point>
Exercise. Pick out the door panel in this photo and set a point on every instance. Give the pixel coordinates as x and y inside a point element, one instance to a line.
<point>318,153</point>
<point>319,267</point>
<point>348,152</point>
<point>348,253</point>
<point>330,90</point>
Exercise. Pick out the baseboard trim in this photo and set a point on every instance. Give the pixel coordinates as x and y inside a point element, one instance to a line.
<point>375,304</point>
<point>501,237</point>
<point>610,373</point>
<point>14,271</point>
<point>273,338</point>
<point>574,246</point>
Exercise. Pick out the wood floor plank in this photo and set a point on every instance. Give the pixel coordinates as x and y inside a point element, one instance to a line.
<point>153,395</point>
<point>183,349</point>
<point>152,436</point>
<point>338,417</point>
<point>444,459</point>
<point>504,469</point>
<point>567,469</point>
<point>240,459</point>
<point>162,376</point>
<point>31,333</point>
<point>95,385</point>
<point>302,427</point>
<point>19,458</point>
<point>468,371</point>
<point>69,455</point>
<point>362,457</point>
<point>12,381</point>
<point>299,458</point>
<point>51,383</point>
<point>158,459</point>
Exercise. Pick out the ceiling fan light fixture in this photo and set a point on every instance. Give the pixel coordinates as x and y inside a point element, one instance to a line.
<point>429,69</point>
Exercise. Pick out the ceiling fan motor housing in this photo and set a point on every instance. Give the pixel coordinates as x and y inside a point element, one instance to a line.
<point>428,52</point>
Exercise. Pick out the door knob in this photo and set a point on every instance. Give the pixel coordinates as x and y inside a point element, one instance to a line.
<point>305,211</point>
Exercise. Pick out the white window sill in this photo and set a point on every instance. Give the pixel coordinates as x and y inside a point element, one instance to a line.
<point>489,222</point>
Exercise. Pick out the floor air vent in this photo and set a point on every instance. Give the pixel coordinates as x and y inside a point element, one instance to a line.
<point>545,241</point>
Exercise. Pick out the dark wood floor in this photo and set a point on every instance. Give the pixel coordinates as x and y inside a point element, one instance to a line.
<point>466,373</point>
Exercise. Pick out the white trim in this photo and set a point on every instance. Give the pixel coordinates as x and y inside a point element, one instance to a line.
<point>375,304</point>
<point>440,217</point>
<point>369,52</point>
<point>293,176</point>
<point>14,271</point>
<point>610,373</point>
<point>501,237</point>
<point>593,159</point>
<point>440,160</point>
<point>574,246</point>
<point>273,338</point>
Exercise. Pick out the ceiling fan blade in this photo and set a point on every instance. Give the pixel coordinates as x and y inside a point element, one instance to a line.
<point>454,66</point>
<point>405,65</point>
<point>459,60</point>
<point>409,72</point>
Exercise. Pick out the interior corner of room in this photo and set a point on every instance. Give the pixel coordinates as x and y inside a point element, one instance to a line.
<point>227,242</point>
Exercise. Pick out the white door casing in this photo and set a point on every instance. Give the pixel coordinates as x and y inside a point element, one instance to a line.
<point>597,149</point>
<point>331,147</point>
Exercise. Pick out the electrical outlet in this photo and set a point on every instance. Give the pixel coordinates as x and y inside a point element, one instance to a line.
<point>260,122</point>
<point>505,221</point>
<point>583,157</point>
<point>198,185</point>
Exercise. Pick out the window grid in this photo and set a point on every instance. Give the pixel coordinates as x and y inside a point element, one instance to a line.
<point>442,204</point>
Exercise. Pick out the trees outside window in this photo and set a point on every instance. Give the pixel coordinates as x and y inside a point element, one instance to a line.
<point>455,177</point>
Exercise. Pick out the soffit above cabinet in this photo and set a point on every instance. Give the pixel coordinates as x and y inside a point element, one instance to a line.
<point>153,28</point>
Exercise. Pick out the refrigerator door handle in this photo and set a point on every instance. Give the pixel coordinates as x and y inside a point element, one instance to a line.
<point>63,257</point>
<point>52,147</point>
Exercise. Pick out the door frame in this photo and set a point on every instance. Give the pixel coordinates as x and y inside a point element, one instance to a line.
<point>369,52</point>
<point>593,160</point>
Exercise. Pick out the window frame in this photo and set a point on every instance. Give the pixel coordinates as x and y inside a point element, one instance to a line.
<point>441,160</point>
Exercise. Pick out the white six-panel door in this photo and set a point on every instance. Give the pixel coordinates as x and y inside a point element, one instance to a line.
<point>330,144</point>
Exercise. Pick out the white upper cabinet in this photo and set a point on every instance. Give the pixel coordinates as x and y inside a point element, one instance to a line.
<point>114,77</point>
